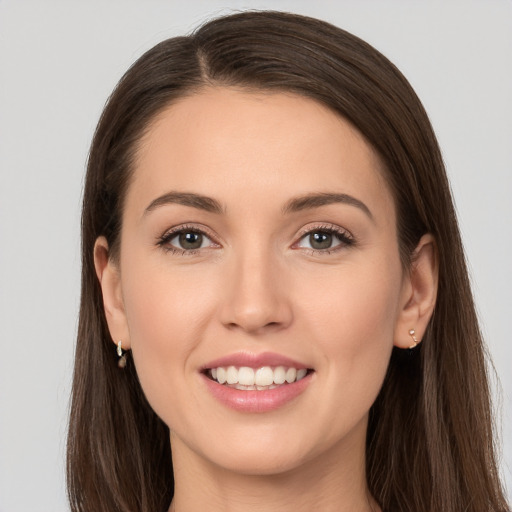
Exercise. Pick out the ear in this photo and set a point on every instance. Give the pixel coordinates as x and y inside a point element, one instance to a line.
<point>110,281</point>
<point>419,292</point>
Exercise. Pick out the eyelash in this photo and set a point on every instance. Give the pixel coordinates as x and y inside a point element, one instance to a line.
<point>345,238</point>
<point>164,240</point>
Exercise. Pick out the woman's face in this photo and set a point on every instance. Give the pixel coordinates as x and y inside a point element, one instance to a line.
<point>258,233</point>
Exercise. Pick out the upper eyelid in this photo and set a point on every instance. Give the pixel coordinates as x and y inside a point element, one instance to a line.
<point>344,236</point>
<point>324,226</point>
<point>164,240</point>
<point>182,228</point>
<point>204,230</point>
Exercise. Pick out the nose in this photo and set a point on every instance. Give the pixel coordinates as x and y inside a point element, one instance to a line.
<point>255,298</point>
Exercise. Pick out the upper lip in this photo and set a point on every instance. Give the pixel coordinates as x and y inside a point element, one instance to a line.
<point>252,360</point>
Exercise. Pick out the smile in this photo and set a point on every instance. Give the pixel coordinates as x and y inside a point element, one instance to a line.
<point>261,379</point>
<point>256,383</point>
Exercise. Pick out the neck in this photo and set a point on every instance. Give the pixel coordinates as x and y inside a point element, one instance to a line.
<point>333,481</point>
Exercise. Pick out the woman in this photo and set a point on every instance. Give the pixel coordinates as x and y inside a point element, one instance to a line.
<point>274,286</point>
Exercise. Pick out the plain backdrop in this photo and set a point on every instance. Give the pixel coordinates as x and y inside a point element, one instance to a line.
<point>58,63</point>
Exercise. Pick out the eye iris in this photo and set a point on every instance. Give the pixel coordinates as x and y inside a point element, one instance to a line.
<point>320,240</point>
<point>191,240</point>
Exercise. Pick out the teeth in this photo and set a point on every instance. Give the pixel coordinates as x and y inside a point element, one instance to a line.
<point>291,375</point>
<point>266,377</point>
<point>232,375</point>
<point>279,375</point>
<point>246,376</point>
<point>221,375</point>
<point>253,388</point>
<point>301,373</point>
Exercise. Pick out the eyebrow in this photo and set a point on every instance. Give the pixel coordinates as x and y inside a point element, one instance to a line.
<point>306,202</point>
<point>187,199</point>
<point>311,201</point>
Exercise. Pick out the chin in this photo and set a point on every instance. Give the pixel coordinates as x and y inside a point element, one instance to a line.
<point>267,450</point>
<point>255,462</point>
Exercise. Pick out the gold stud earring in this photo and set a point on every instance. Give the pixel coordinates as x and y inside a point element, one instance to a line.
<point>412,333</point>
<point>121,362</point>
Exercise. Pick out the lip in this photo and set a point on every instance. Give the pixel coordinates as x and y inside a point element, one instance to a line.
<point>254,401</point>
<point>252,360</point>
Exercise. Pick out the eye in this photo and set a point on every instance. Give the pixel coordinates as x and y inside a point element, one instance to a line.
<point>185,240</point>
<point>189,240</point>
<point>325,239</point>
<point>320,240</point>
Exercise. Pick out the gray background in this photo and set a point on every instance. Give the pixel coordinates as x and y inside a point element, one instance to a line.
<point>58,63</point>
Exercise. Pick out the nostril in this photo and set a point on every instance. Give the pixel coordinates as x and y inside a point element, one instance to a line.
<point>253,326</point>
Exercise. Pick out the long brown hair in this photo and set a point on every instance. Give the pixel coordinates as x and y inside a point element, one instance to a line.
<point>430,436</point>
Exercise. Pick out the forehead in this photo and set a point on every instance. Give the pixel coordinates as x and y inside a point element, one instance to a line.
<point>225,142</point>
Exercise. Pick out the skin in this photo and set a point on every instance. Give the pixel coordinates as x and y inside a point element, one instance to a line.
<point>257,286</point>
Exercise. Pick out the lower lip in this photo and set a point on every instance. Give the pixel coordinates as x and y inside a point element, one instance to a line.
<point>256,401</point>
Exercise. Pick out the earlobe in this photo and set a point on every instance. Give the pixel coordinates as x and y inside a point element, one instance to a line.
<point>109,278</point>
<point>418,294</point>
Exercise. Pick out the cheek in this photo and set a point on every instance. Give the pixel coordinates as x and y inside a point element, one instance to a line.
<point>361,313</point>
<point>358,302</point>
<point>353,321</point>
<point>166,315</point>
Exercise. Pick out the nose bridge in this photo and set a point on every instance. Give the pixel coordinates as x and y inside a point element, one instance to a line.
<point>255,298</point>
